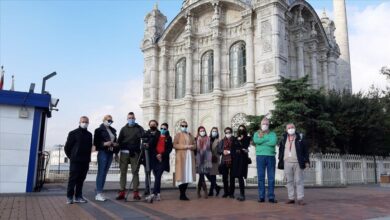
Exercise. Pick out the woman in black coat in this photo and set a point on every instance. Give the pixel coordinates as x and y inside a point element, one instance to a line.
<point>160,146</point>
<point>240,159</point>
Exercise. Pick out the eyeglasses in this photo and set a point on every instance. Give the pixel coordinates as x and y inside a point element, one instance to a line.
<point>184,126</point>
<point>110,121</point>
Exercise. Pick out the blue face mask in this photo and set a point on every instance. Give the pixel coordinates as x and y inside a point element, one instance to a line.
<point>183,129</point>
<point>163,131</point>
<point>131,122</point>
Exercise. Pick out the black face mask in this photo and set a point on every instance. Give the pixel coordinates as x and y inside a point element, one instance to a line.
<point>153,128</point>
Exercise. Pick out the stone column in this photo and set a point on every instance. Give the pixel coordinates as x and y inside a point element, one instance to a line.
<point>217,42</point>
<point>332,70</point>
<point>313,65</point>
<point>163,85</point>
<point>300,59</point>
<point>250,73</point>
<point>324,70</point>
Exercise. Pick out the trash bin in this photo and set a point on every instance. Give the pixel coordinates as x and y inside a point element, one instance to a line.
<point>385,179</point>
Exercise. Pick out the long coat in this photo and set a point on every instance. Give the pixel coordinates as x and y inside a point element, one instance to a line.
<point>240,157</point>
<point>216,157</point>
<point>78,145</point>
<point>180,142</point>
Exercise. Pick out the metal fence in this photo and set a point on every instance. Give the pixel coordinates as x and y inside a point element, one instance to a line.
<point>324,170</point>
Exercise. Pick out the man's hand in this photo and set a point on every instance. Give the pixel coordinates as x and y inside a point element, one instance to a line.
<point>307,165</point>
<point>226,152</point>
<point>159,157</point>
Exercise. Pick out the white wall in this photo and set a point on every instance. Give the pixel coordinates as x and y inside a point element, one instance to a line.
<point>15,142</point>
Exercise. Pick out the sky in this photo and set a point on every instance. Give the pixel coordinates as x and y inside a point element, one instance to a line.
<point>94,46</point>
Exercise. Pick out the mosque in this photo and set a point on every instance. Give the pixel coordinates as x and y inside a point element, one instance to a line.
<point>217,61</point>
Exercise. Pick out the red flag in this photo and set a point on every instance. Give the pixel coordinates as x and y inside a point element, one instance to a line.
<point>1,78</point>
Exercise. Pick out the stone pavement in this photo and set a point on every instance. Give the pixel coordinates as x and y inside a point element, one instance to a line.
<point>352,202</point>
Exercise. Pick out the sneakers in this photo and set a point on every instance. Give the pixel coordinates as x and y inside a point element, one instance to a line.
<point>80,200</point>
<point>150,198</point>
<point>136,195</point>
<point>69,200</point>
<point>158,197</point>
<point>121,195</point>
<point>100,197</point>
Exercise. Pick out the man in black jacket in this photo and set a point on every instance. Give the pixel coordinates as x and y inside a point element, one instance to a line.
<point>293,158</point>
<point>78,149</point>
<point>129,141</point>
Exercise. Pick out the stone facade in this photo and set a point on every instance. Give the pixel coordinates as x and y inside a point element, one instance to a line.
<point>249,46</point>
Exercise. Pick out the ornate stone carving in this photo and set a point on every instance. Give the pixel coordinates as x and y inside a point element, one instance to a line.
<point>266,37</point>
<point>238,120</point>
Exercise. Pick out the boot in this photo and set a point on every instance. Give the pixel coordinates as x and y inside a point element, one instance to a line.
<point>121,195</point>
<point>198,191</point>
<point>136,195</point>
<point>204,187</point>
<point>217,189</point>
<point>183,196</point>
<point>242,195</point>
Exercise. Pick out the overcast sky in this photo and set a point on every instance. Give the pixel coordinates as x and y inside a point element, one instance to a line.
<point>94,46</point>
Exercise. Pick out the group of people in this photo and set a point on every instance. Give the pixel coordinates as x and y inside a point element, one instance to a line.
<point>208,155</point>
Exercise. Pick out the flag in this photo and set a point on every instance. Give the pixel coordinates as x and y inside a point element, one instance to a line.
<point>13,84</point>
<point>1,78</point>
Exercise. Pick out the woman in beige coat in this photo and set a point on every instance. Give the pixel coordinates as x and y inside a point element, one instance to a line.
<point>184,144</point>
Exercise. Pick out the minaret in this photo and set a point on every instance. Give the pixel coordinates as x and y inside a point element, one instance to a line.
<point>341,33</point>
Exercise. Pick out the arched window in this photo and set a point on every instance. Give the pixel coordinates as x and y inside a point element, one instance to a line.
<point>180,84</point>
<point>207,72</point>
<point>237,64</point>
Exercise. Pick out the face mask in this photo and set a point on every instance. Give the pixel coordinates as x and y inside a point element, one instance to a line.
<point>84,125</point>
<point>228,135</point>
<point>163,131</point>
<point>202,133</point>
<point>214,134</point>
<point>153,128</point>
<point>107,123</point>
<point>264,127</point>
<point>183,129</point>
<point>291,131</point>
<point>131,121</point>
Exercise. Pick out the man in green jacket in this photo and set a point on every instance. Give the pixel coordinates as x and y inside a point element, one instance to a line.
<point>265,142</point>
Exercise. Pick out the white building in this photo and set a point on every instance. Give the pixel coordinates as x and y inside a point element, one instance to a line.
<point>218,60</point>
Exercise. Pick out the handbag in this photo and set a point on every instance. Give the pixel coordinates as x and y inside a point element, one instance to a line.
<point>249,160</point>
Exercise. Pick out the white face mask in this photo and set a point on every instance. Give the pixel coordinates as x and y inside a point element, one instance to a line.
<point>264,127</point>
<point>214,133</point>
<point>202,133</point>
<point>106,123</point>
<point>228,135</point>
<point>291,131</point>
<point>84,125</point>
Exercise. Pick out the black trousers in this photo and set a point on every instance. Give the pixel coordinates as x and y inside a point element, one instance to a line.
<point>77,173</point>
<point>242,185</point>
<point>157,172</point>
<point>228,187</point>
<point>213,181</point>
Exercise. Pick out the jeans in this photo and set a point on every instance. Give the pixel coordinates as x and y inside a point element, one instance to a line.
<point>157,172</point>
<point>104,160</point>
<point>77,173</point>
<point>263,163</point>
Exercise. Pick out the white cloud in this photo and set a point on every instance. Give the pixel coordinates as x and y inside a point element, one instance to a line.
<point>125,97</point>
<point>369,47</point>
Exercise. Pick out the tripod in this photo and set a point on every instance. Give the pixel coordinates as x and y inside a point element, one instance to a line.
<point>144,153</point>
